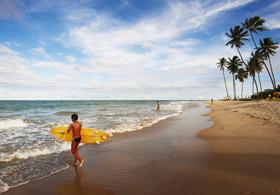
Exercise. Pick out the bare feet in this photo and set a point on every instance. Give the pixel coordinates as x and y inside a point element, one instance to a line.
<point>81,163</point>
<point>74,162</point>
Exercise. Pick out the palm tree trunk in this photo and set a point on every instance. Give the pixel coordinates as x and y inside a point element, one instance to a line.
<point>234,89</point>
<point>272,71</point>
<point>260,81</point>
<point>256,84</point>
<point>260,84</point>
<point>253,86</point>
<point>271,79</point>
<point>242,90</point>
<point>241,57</point>
<point>225,83</point>
<point>256,47</point>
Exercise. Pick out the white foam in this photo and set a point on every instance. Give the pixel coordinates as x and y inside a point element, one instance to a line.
<point>177,107</point>
<point>126,124</point>
<point>24,153</point>
<point>53,172</point>
<point>12,123</point>
<point>3,186</point>
<point>124,128</point>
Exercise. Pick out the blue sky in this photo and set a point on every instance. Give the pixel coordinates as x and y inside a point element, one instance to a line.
<point>123,49</point>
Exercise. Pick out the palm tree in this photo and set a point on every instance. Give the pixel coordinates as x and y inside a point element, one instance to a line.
<point>241,75</point>
<point>253,25</point>
<point>259,67</point>
<point>221,66</point>
<point>237,37</point>
<point>251,68</point>
<point>267,48</point>
<point>233,65</point>
<point>261,57</point>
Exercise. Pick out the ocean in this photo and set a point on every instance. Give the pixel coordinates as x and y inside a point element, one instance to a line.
<point>27,150</point>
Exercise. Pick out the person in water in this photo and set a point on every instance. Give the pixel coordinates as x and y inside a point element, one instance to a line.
<point>158,105</point>
<point>75,127</point>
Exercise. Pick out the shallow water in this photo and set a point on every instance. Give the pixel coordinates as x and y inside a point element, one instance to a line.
<point>29,152</point>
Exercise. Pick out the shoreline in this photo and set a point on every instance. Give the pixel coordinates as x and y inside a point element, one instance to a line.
<point>178,106</point>
<point>224,150</point>
<point>128,162</point>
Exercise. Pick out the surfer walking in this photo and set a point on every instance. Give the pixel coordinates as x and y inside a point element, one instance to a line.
<point>158,107</point>
<point>75,127</point>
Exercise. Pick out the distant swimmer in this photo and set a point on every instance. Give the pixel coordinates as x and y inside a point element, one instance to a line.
<point>75,127</point>
<point>158,107</point>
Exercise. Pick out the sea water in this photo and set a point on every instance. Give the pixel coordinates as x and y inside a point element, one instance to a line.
<point>28,151</point>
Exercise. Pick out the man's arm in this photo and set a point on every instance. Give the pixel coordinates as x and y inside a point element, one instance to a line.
<point>69,128</point>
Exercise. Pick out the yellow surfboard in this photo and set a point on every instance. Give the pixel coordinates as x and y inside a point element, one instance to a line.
<point>89,135</point>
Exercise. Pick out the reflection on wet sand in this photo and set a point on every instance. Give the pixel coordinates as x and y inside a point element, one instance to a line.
<point>80,187</point>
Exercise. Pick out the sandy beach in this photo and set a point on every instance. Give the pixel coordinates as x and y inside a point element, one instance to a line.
<point>245,146</point>
<point>239,154</point>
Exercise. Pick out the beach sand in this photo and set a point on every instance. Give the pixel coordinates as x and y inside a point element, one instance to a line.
<point>245,143</point>
<point>239,154</point>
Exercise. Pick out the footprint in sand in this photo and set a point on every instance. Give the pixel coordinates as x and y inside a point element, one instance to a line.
<point>248,193</point>
<point>205,187</point>
<point>276,189</point>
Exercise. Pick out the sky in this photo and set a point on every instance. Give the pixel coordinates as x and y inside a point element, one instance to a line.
<point>124,49</point>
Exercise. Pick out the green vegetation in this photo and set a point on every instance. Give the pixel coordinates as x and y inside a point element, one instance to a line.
<point>233,64</point>
<point>241,76</point>
<point>260,58</point>
<point>221,66</point>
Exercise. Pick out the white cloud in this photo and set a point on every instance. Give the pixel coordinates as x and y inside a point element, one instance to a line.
<point>53,65</point>
<point>113,42</point>
<point>273,21</point>
<point>152,57</point>
<point>149,58</point>
<point>22,78</point>
<point>12,68</point>
<point>40,51</point>
<point>70,59</point>
<point>17,44</point>
<point>272,15</point>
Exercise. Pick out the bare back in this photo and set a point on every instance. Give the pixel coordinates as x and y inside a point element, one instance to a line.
<point>76,129</point>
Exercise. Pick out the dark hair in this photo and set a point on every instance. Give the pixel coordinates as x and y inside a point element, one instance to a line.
<point>74,117</point>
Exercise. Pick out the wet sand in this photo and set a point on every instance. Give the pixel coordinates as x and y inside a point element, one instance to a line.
<point>166,158</point>
<point>239,154</point>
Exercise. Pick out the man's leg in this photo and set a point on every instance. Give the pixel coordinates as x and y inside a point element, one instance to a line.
<point>78,156</point>
<point>76,151</point>
<point>73,150</point>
